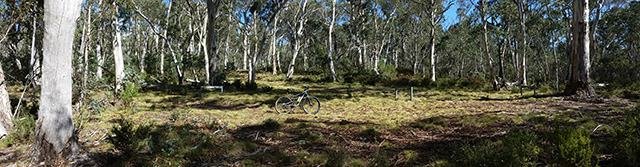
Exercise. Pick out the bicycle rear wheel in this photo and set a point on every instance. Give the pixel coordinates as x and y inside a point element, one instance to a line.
<point>311,105</point>
<point>284,105</point>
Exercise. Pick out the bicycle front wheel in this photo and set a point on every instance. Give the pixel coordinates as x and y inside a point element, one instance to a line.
<point>311,105</point>
<point>284,105</point>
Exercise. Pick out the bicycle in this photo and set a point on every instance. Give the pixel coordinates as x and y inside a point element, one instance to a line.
<point>310,104</point>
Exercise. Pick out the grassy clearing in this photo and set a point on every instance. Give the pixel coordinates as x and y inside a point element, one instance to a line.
<point>358,125</point>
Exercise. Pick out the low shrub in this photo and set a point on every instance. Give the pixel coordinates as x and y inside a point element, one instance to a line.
<point>127,138</point>
<point>129,93</point>
<point>370,134</point>
<point>485,153</point>
<point>271,124</point>
<point>336,158</point>
<point>574,147</point>
<point>626,139</point>
<point>380,159</point>
<point>521,148</point>
<point>21,133</point>
<point>250,86</point>
<point>266,89</point>
<point>517,148</point>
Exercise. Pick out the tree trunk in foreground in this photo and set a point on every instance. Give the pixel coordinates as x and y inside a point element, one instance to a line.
<point>55,139</point>
<point>329,54</point>
<point>6,118</point>
<point>212,11</point>
<point>579,80</point>
<point>117,50</point>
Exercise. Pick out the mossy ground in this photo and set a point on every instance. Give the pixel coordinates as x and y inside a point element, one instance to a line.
<point>357,125</point>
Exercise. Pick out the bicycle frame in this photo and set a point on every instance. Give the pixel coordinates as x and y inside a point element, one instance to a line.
<point>300,96</point>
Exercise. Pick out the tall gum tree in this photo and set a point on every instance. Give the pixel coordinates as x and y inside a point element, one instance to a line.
<point>117,49</point>
<point>212,15</point>
<point>55,138</point>
<point>296,36</point>
<point>6,118</point>
<point>579,79</point>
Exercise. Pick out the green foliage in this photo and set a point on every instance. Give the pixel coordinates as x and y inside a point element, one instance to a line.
<point>409,156</point>
<point>244,86</point>
<point>574,147</point>
<point>380,159</point>
<point>626,139</point>
<point>21,133</point>
<point>432,123</point>
<point>95,106</point>
<point>277,158</point>
<point>485,153</point>
<point>237,84</point>
<point>363,77</point>
<point>516,148</point>
<point>336,158</point>
<point>250,86</point>
<point>271,124</point>
<point>266,89</point>
<point>129,93</point>
<point>387,70</point>
<point>521,148</point>
<point>126,138</point>
<point>369,134</point>
<point>306,136</point>
<point>543,88</point>
<point>357,163</point>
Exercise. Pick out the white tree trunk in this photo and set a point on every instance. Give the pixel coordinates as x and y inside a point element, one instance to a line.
<point>330,53</point>
<point>580,81</point>
<point>203,42</point>
<point>165,41</point>
<point>492,77</point>
<point>212,10</point>
<point>523,30</point>
<point>86,31</point>
<point>296,40</point>
<point>35,61</point>
<point>226,44</point>
<point>245,52</point>
<point>6,119</point>
<point>117,51</point>
<point>100,58</point>
<point>99,50</point>
<point>296,49</point>
<point>274,33</point>
<point>54,133</point>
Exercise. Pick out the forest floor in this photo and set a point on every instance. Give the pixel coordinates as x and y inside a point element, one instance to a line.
<point>357,125</point>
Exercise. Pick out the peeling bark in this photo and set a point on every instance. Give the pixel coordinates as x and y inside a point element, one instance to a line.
<point>55,137</point>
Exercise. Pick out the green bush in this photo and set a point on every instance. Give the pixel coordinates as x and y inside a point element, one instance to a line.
<point>380,159</point>
<point>370,134</point>
<point>521,148</point>
<point>485,153</point>
<point>626,139</point>
<point>236,84</point>
<point>574,147</point>
<point>126,138</point>
<point>250,86</point>
<point>266,89</point>
<point>271,124</point>
<point>130,92</point>
<point>21,133</point>
<point>364,77</point>
<point>517,148</point>
<point>336,158</point>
